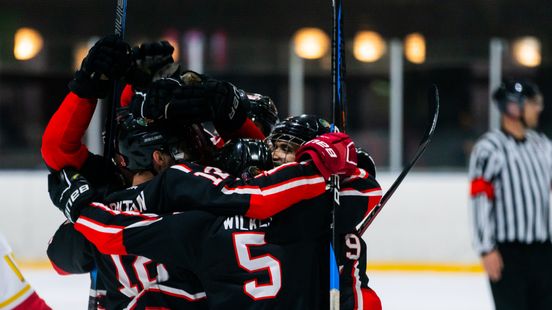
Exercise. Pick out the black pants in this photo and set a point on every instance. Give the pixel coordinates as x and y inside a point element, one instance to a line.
<point>526,282</point>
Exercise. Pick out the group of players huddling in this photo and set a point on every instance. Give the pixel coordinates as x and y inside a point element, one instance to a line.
<point>181,218</point>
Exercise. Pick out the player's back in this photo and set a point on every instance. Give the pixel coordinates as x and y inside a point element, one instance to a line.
<point>280,263</point>
<point>137,279</point>
<point>122,279</point>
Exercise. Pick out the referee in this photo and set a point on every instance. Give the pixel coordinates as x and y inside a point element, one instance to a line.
<point>510,173</point>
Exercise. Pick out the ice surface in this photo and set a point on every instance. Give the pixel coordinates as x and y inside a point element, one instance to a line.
<point>398,290</point>
<point>432,291</point>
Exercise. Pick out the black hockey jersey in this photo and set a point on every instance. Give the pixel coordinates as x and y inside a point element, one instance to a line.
<point>124,280</point>
<point>274,264</point>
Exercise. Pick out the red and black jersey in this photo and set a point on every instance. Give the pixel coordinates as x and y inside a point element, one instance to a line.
<point>236,265</point>
<point>277,263</point>
<point>183,187</point>
<point>69,252</point>
<point>124,279</point>
<point>359,194</point>
<point>353,281</point>
<point>189,186</point>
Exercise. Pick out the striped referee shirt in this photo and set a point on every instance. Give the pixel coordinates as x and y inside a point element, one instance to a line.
<point>510,189</point>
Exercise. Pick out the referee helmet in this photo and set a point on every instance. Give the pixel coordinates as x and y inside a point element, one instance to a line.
<point>516,91</point>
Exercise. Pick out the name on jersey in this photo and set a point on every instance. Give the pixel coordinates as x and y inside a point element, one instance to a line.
<point>239,222</point>
<point>138,204</point>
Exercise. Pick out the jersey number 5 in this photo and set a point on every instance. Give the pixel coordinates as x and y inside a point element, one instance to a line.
<point>242,245</point>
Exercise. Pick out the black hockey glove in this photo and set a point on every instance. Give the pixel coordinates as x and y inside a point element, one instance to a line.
<point>108,59</point>
<point>70,192</point>
<point>148,60</point>
<point>168,100</point>
<point>153,104</point>
<point>228,104</point>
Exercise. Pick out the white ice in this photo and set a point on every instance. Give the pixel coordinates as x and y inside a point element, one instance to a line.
<point>432,291</point>
<point>398,290</point>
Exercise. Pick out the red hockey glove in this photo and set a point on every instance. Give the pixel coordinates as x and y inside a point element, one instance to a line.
<point>332,153</point>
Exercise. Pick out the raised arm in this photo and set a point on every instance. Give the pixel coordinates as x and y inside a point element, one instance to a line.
<point>62,143</point>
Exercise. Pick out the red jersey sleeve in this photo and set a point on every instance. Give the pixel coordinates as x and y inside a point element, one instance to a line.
<point>187,187</point>
<point>62,140</point>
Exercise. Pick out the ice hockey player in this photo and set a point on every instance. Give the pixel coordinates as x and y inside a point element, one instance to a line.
<point>125,279</point>
<point>120,279</point>
<point>62,147</point>
<point>359,189</point>
<point>226,279</point>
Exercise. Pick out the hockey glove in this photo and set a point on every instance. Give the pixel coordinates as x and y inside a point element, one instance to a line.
<point>227,103</point>
<point>108,59</point>
<point>332,153</point>
<point>70,192</point>
<point>153,104</point>
<point>148,59</point>
<point>168,100</point>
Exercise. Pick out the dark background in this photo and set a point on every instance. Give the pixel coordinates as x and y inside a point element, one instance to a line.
<point>258,32</point>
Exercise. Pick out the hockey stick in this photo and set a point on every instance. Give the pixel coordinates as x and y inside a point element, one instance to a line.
<point>338,121</point>
<point>109,147</point>
<point>433,100</point>
<point>110,130</point>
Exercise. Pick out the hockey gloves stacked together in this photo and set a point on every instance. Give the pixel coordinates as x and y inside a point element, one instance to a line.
<point>111,58</point>
<point>210,100</point>
<point>70,192</point>
<point>332,153</point>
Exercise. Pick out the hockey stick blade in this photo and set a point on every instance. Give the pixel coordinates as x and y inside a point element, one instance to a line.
<point>433,100</point>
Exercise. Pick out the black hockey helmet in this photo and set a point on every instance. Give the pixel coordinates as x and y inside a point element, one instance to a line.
<point>137,141</point>
<point>365,161</point>
<point>263,111</point>
<point>240,154</point>
<point>299,129</point>
<point>516,91</point>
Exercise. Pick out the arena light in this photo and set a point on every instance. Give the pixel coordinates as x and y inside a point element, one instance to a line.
<point>368,46</point>
<point>415,48</point>
<point>311,43</point>
<point>527,51</point>
<point>27,44</point>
